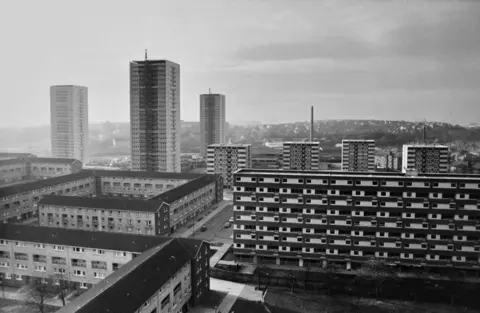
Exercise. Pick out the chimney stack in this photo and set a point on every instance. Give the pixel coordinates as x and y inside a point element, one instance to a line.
<point>311,124</point>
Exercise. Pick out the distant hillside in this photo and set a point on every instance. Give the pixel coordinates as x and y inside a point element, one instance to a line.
<point>114,138</point>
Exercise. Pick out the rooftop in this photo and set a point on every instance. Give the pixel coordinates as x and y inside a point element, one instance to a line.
<point>353,174</point>
<point>101,203</point>
<point>26,187</point>
<point>176,193</point>
<point>16,155</point>
<point>233,145</point>
<point>20,188</point>
<point>419,145</point>
<point>127,289</point>
<point>80,238</point>
<point>53,160</point>
<point>358,140</point>
<point>301,143</point>
<point>13,161</point>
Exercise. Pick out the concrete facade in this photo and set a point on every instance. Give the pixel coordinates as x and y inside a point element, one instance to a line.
<point>358,155</point>
<point>425,158</point>
<point>225,159</point>
<point>212,121</point>
<point>301,155</point>
<point>155,115</point>
<point>69,122</point>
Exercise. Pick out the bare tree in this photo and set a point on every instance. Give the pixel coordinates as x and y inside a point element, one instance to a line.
<point>61,286</point>
<point>38,293</point>
<point>375,270</point>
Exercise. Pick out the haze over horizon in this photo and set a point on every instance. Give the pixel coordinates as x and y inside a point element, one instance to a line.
<point>392,60</point>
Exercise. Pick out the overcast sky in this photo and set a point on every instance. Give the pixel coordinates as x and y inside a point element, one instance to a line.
<point>272,58</point>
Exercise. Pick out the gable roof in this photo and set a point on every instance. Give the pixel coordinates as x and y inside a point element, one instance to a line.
<point>127,289</point>
<point>176,193</point>
<point>80,238</point>
<point>101,203</point>
<point>12,190</point>
<point>53,160</point>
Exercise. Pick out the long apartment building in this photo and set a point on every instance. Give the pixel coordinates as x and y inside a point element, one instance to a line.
<point>159,215</point>
<point>142,271</point>
<point>425,158</point>
<point>301,156</point>
<point>358,155</point>
<point>171,189</point>
<point>16,170</point>
<point>299,217</point>
<point>226,159</point>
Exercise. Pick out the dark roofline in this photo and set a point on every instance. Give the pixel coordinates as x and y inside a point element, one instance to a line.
<point>80,238</point>
<point>53,160</point>
<point>101,203</point>
<point>20,188</point>
<point>127,289</point>
<point>165,175</point>
<point>13,161</point>
<point>15,154</point>
<point>25,187</point>
<point>255,171</point>
<point>181,191</point>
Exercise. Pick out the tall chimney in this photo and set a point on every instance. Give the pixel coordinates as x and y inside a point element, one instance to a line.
<point>311,124</point>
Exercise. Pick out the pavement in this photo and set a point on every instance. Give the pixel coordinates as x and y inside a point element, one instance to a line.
<point>219,254</point>
<point>235,291</point>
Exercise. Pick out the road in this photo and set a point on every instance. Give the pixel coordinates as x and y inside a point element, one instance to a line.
<point>215,226</point>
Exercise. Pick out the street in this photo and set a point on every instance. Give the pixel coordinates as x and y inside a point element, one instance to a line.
<point>215,226</point>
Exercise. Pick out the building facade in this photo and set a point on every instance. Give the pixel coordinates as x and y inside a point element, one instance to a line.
<point>212,121</point>
<point>358,155</point>
<point>20,201</point>
<point>69,122</point>
<point>225,159</point>
<point>175,271</point>
<point>158,215</point>
<point>25,169</point>
<point>155,115</point>
<point>347,218</point>
<point>425,158</point>
<point>170,278</point>
<point>301,155</point>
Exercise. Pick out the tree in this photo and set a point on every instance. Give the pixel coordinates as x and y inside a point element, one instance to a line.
<point>375,270</point>
<point>61,286</point>
<point>38,293</point>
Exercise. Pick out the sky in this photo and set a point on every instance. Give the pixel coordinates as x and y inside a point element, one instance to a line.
<point>273,59</point>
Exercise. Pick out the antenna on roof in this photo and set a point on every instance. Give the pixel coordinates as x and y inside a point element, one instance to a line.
<point>146,55</point>
<point>209,91</point>
<point>424,135</point>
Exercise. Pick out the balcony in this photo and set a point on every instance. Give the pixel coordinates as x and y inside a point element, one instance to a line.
<point>59,261</point>
<point>99,265</point>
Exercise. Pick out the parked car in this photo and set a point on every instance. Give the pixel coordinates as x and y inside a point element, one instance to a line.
<point>227,225</point>
<point>203,228</point>
<point>231,220</point>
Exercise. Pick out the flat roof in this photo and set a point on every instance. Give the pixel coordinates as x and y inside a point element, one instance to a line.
<point>163,61</point>
<point>80,238</point>
<point>101,203</point>
<point>425,146</point>
<point>355,174</point>
<point>181,191</point>
<point>128,288</point>
<point>358,140</point>
<point>301,143</point>
<point>233,145</point>
<point>16,154</point>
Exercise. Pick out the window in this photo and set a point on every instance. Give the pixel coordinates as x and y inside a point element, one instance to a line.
<point>59,248</point>
<point>99,275</point>
<point>78,273</point>
<point>99,251</point>
<point>79,250</point>
<point>20,244</point>
<point>3,242</point>
<point>39,246</point>
<point>120,254</point>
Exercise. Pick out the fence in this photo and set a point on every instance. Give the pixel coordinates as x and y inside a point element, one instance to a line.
<point>408,289</point>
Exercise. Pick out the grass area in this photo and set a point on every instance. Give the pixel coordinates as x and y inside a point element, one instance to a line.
<point>11,306</point>
<point>283,301</point>
<point>214,299</point>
